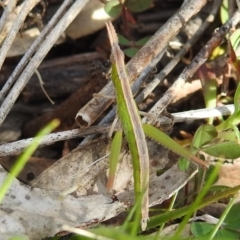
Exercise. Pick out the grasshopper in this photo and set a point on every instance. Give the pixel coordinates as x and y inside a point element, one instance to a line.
<point>134,131</point>
<point>131,124</point>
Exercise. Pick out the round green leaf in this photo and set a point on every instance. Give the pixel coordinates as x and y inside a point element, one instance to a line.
<point>205,134</point>
<point>202,230</point>
<point>227,150</point>
<point>183,164</point>
<point>123,41</point>
<point>113,8</point>
<point>130,52</point>
<point>142,41</point>
<point>232,219</point>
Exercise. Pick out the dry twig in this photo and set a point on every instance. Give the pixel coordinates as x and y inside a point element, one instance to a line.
<point>197,61</point>
<point>58,25</point>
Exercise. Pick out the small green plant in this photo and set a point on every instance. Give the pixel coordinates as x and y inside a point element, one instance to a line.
<point>132,47</point>
<point>207,76</point>
<point>114,7</point>
<point>226,228</point>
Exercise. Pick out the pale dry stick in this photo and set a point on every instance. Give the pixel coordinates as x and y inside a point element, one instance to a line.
<point>10,21</point>
<point>169,67</point>
<point>205,113</point>
<point>6,13</point>
<point>8,17</point>
<point>7,43</point>
<point>197,61</point>
<point>225,110</point>
<point>41,82</point>
<point>18,146</point>
<point>90,112</point>
<point>34,62</point>
<point>54,20</point>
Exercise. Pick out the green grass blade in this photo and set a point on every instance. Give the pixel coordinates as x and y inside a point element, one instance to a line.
<point>168,142</point>
<point>223,216</point>
<point>135,214</point>
<point>167,216</point>
<point>114,157</point>
<point>18,166</point>
<point>198,200</point>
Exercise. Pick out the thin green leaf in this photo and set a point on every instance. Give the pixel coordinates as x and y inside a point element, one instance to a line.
<point>236,99</point>
<point>236,132</point>
<point>209,87</point>
<point>168,142</point>
<point>197,201</point>
<point>210,172</point>
<point>18,166</point>
<point>232,120</point>
<point>210,94</point>
<point>167,216</point>
<point>227,150</point>
<point>235,39</point>
<point>224,11</point>
<point>217,227</point>
<point>236,63</point>
<point>216,189</point>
